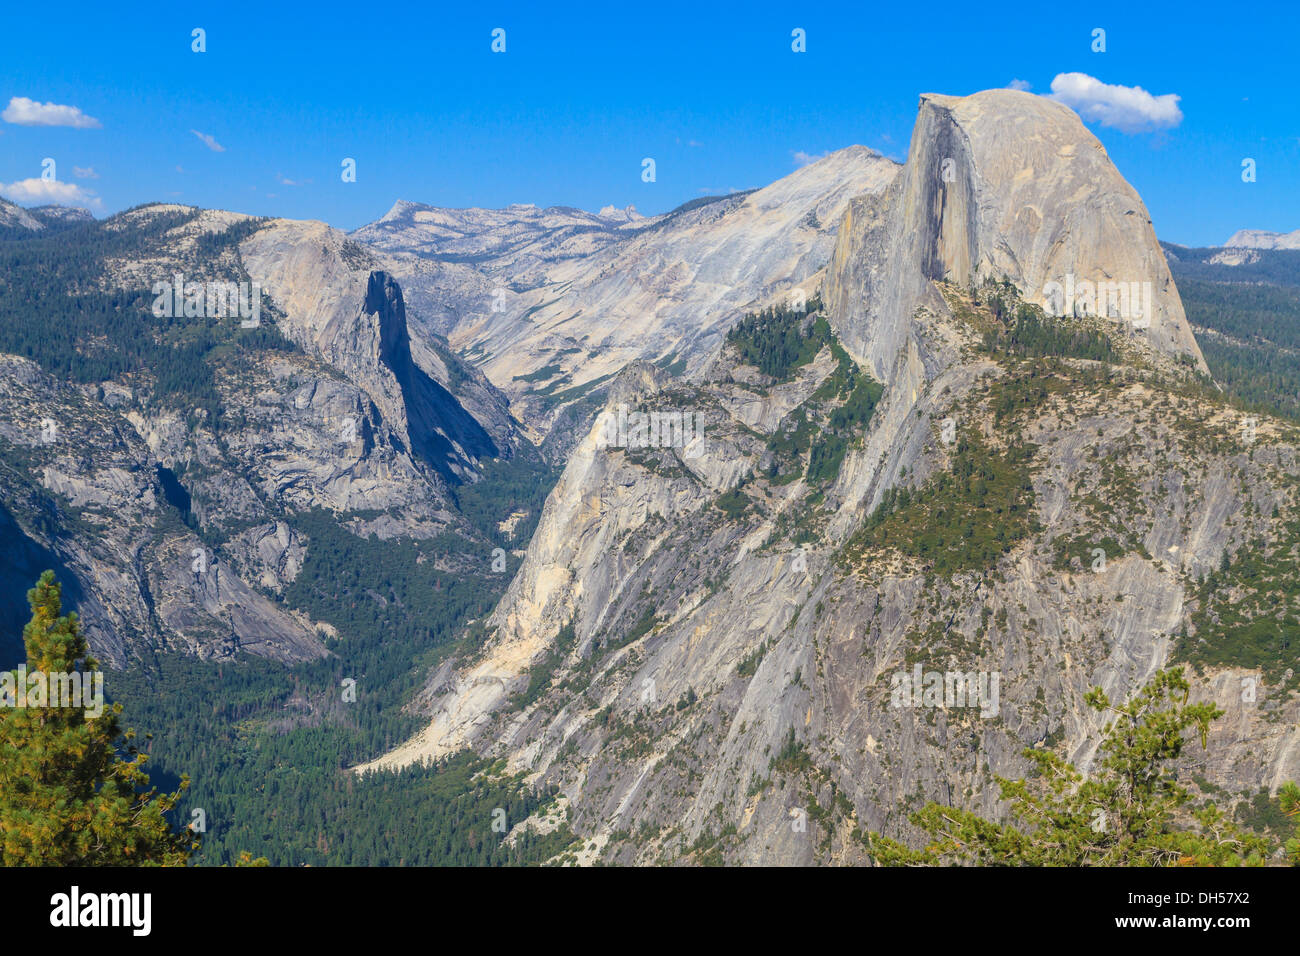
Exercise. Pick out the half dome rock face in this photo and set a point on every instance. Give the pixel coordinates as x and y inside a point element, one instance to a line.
<point>1003,184</point>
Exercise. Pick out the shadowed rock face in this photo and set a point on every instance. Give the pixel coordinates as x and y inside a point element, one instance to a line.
<point>1000,183</point>
<point>321,280</point>
<point>440,429</point>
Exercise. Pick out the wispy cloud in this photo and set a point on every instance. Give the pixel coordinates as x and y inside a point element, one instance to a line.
<point>280,178</point>
<point>1129,109</point>
<point>85,172</point>
<point>803,159</point>
<point>24,112</point>
<point>39,191</point>
<point>1019,85</point>
<point>209,141</point>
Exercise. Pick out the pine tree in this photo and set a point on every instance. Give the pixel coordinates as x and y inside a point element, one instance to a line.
<point>1130,811</point>
<point>1289,797</point>
<point>68,796</point>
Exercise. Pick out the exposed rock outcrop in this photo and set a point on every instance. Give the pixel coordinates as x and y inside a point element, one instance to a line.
<point>1262,239</point>
<point>550,315</point>
<point>997,184</point>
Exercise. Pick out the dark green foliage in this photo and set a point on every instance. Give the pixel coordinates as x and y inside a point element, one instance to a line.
<point>965,518</point>
<point>54,311</point>
<point>847,422</point>
<point>73,785</point>
<point>1034,334</point>
<point>1250,321</point>
<point>793,757</point>
<point>1255,354</point>
<point>672,365</point>
<point>1275,267</point>
<point>642,626</point>
<point>1081,546</point>
<point>1263,814</point>
<point>520,483</point>
<point>1023,330</point>
<point>749,664</point>
<point>733,503</point>
<point>541,375</point>
<point>779,341</point>
<point>1261,377</point>
<point>1130,810</point>
<point>1245,312</point>
<point>397,604</point>
<point>267,746</point>
<point>1248,612</point>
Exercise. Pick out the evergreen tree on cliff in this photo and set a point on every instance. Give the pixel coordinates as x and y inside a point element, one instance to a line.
<point>68,795</point>
<point>1131,811</point>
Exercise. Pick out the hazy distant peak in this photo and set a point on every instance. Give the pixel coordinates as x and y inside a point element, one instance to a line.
<point>1262,239</point>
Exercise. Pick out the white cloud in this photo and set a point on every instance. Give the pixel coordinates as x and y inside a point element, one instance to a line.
<point>86,172</point>
<point>1129,109</point>
<point>24,112</point>
<point>44,191</point>
<point>803,159</point>
<point>209,141</point>
<point>1019,85</point>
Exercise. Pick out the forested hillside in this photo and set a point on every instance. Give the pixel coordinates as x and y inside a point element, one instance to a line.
<point>1247,320</point>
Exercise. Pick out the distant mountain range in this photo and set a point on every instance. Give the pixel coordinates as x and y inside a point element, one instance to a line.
<point>1258,239</point>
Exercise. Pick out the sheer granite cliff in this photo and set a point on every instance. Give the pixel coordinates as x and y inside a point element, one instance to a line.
<point>699,649</point>
<point>1001,184</point>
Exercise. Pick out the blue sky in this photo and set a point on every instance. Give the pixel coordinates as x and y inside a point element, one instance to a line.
<point>582,94</point>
